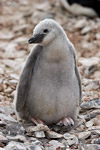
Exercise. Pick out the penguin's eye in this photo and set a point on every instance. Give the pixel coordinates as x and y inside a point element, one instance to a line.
<point>45,30</point>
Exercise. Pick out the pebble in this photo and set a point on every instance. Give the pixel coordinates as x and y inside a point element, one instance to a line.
<point>45,5</point>
<point>80,24</point>
<point>15,146</point>
<point>55,145</point>
<point>22,146</point>
<point>6,36</point>
<point>90,114</point>
<point>95,141</point>
<point>97,36</point>
<point>70,139</point>
<point>93,85</point>
<point>88,62</point>
<point>89,123</point>
<point>83,135</point>
<point>39,127</point>
<point>96,132</point>
<point>3,139</point>
<point>39,134</point>
<point>86,29</point>
<point>94,103</point>
<point>90,147</point>
<point>17,138</point>
<point>53,135</point>
<point>7,118</point>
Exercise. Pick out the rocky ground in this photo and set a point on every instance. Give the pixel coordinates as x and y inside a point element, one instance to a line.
<point>17,21</point>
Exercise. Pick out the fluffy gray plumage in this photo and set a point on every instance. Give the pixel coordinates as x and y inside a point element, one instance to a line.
<point>49,88</point>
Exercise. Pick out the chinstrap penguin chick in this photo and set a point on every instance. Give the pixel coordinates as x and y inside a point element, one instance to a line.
<point>49,88</point>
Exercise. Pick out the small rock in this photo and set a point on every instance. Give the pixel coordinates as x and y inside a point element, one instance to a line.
<point>89,123</point>
<point>71,139</point>
<point>83,135</point>
<point>86,30</point>
<point>8,90</point>
<point>94,129</point>
<point>13,81</point>
<point>96,141</point>
<point>90,147</point>
<point>80,24</point>
<point>93,85</point>
<point>36,147</point>
<point>23,28</point>
<point>39,134</point>
<point>6,36</point>
<point>55,145</point>
<point>88,62</point>
<point>39,127</point>
<point>98,36</point>
<point>90,115</point>
<point>96,132</point>
<point>15,146</point>
<point>17,138</point>
<point>97,120</point>
<point>3,139</point>
<point>7,118</point>
<point>45,5</point>
<point>14,129</point>
<point>53,135</point>
<point>95,103</point>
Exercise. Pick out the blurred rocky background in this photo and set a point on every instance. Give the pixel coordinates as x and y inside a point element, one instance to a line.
<point>17,20</point>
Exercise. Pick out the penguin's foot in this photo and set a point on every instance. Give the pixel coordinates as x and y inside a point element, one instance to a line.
<point>66,122</point>
<point>37,121</point>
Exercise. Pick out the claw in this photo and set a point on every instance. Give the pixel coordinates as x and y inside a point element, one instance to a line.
<point>66,122</point>
<point>37,121</point>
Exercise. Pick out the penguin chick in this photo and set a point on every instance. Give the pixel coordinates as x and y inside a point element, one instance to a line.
<point>49,88</point>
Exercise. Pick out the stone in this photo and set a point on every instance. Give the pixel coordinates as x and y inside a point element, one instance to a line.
<point>23,28</point>
<point>39,134</point>
<point>7,118</point>
<point>53,135</point>
<point>83,135</point>
<point>80,24</point>
<point>97,36</point>
<point>90,147</point>
<point>95,141</point>
<point>93,85</point>
<point>15,146</point>
<point>95,132</point>
<point>89,123</point>
<point>3,139</point>
<point>86,29</point>
<point>39,127</point>
<point>22,146</point>
<point>6,36</point>
<point>14,129</point>
<point>36,147</point>
<point>45,5</point>
<point>17,138</point>
<point>88,62</point>
<point>93,129</point>
<point>70,139</point>
<point>97,120</point>
<point>90,114</point>
<point>95,103</point>
<point>55,145</point>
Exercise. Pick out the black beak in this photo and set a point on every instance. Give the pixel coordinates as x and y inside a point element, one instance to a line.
<point>38,38</point>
